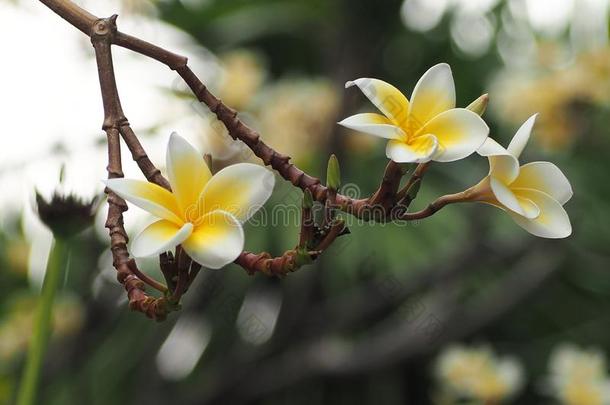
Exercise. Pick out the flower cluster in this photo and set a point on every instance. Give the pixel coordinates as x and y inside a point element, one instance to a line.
<point>204,213</point>
<point>476,373</point>
<point>429,128</point>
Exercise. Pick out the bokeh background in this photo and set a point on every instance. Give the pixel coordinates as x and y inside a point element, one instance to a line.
<point>464,307</point>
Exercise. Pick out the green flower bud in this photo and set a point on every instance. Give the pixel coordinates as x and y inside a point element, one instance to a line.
<point>333,173</point>
<point>307,199</point>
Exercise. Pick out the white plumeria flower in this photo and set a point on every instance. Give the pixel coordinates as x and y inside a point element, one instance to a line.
<point>478,373</point>
<point>532,194</point>
<point>203,213</point>
<point>429,127</point>
<point>579,377</point>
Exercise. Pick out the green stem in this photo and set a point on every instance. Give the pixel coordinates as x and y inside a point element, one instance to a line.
<point>56,265</point>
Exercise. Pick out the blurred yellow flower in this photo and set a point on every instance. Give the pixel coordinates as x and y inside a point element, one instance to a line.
<point>203,213</point>
<point>558,93</point>
<point>17,253</point>
<point>579,377</point>
<point>532,194</point>
<point>16,328</point>
<point>297,116</point>
<point>242,77</point>
<point>428,127</point>
<point>294,115</point>
<point>224,150</point>
<point>476,373</point>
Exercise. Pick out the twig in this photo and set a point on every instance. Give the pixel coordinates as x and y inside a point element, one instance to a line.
<point>146,278</point>
<point>418,174</point>
<point>113,116</point>
<point>236,128</point>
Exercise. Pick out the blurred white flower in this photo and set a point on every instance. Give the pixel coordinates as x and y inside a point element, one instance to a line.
<point>579,377</point>
<point>476,373</point>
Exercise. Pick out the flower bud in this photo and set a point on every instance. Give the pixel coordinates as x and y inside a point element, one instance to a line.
<point>479,105</point>
<point>307,199</point>
<point>65,215</point>
<point>333,173</point>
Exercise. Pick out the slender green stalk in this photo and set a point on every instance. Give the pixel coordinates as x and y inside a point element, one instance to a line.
<point>56,266</point>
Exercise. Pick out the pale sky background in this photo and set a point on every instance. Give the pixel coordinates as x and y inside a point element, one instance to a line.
<point>51,97</point>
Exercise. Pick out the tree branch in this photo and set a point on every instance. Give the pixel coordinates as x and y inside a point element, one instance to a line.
<point>104,33</point>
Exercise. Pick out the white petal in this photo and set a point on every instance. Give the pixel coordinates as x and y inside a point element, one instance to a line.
<point>509,200</point>
<point>502,165</point>
<point>187,171</point>
<point>216,241</point>
<point>434,93</point>
<point>148,196</point>
<point>420,150</point>
<point>553,221</point>
<point>545,177</point>
<point>530,209</point>
<point>460,133</point>
<point>374,124</point>
<point>387,98</point>
<point>505,196</point>
<point>159,237</point>
<point>240,189</point>
<point>520,139</point>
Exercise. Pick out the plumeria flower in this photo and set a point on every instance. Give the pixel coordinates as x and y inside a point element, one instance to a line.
<point>204,212</point>
<point>428,127</point>
<point>477,373</point>
<point>532,194</point>
<point>578,377</point>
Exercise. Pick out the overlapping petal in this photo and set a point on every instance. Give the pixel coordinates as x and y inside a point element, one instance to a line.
<point>216,241</point>
<point>460,133</point>
<point>507,198</point>
<point>502,165</point>
<point>160,237</point>
<point>553,221</point>
<point>545,177</point>
<point>387,98</point>
<point>419,150</point>
<point>148,196</point>
<point>374,124</point>
<point>240,189</point>
<point>519,141</point>
<point>433,94</point>
<point>187,171</point>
